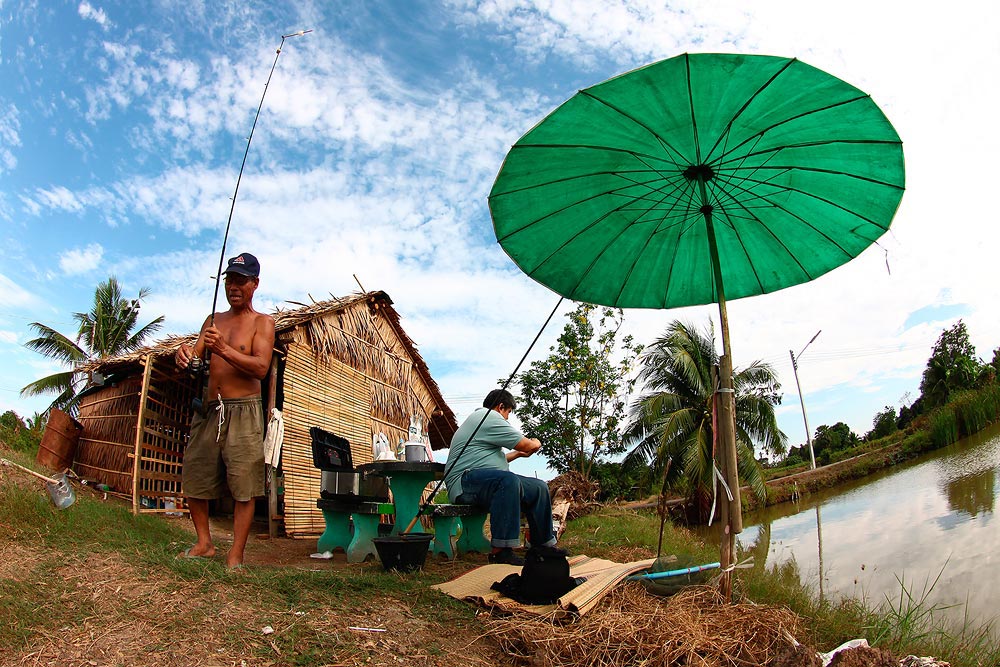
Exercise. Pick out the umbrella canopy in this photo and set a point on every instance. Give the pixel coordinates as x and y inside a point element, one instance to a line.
<point>611,198</point>
<point>694,179</point>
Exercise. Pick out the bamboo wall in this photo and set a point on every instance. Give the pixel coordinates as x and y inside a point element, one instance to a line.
<point>159,449</point>
<point>111,449</point>
<point>334,397</point>
<point>350,374</point>
<point>107,443</point>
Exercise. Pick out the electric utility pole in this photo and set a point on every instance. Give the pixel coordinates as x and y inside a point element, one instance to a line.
<point>805,420</point>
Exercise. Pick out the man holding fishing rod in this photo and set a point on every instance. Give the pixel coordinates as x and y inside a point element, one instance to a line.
<point>227,436</point>
<point>479,475</point>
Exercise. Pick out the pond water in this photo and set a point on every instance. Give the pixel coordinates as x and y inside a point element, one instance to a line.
<point>930,519</point>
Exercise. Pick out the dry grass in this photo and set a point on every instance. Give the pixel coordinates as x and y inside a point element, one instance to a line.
<point>631,627</point>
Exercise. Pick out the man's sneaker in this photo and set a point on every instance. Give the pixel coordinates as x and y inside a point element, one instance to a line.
<point>506,556</point>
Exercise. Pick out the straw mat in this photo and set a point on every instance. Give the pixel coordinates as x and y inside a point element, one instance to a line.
<point>602,575</point>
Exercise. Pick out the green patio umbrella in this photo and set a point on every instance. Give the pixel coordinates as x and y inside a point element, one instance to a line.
<point>696,179</point>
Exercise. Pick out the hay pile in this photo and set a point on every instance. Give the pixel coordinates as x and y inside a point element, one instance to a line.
<point>694,627</point>
<point>574,488</point>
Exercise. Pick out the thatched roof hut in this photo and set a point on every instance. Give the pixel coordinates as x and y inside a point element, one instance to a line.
<point>344,365</point>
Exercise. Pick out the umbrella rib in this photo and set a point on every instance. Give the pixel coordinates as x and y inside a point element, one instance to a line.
<point>596,195</point>
<point>817,198</point>
<point>800,219</point>
<point>570,239</point>
<point>670,148</point>
<point>746,253</point>
<point>729,125</point>
<point>764,131</point>
<point>675,248</point>
<point>818,170</point>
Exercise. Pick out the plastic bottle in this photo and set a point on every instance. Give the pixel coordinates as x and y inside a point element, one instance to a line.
<point>414,432</point>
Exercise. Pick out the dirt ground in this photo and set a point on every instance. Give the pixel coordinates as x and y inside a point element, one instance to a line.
<point>110,612</point>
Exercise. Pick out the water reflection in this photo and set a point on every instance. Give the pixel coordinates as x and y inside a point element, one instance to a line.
<point>972,494</point>
<point>905,524</point>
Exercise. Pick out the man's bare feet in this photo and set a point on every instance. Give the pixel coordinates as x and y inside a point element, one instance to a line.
<point>198,551</point>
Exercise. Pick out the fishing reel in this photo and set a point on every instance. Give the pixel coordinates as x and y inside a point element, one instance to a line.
<point>197,366</point>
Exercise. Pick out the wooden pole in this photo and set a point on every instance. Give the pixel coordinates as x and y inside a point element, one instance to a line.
<point>731,515</point>
<point>272,479</point>
<point>139,430</point>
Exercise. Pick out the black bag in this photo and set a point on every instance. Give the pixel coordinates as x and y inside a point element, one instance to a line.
<point>543,579</point>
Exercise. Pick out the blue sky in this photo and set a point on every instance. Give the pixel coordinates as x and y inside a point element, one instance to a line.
<point>122,128</point>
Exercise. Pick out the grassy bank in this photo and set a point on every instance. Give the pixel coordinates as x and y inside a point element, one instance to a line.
<point>94,584</point>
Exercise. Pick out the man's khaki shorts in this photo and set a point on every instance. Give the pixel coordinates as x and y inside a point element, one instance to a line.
<point>230,452</point>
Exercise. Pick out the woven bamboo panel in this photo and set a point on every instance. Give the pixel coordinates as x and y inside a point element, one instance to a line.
<point>166,422</point>
<point>104,452</point>
<point>335,397</point>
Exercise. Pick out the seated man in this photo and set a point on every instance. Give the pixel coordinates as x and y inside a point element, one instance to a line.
<point>478,474</point>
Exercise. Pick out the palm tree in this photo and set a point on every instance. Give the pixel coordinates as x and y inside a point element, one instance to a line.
<point>673,420</point>
<point>105,331</point>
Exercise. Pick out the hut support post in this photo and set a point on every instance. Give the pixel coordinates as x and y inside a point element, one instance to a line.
<point>272,487</point>
<point>147,373</point>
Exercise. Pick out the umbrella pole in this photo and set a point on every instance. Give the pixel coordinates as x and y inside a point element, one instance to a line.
<point>731,515</point>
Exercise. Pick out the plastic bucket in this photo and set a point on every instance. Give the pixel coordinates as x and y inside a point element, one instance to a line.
<point>61,492</point>
<point>58,446</point>
<point>405,552</point>
<point>415,452</point>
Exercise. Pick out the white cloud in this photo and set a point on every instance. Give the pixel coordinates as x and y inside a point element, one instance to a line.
<point>8,337</point>
<point>10,126</point>
<point>12,294</point>
<point>97,15</point>
<point>81,260</point>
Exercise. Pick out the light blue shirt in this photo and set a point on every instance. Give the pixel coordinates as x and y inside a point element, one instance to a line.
<point>485,450</point>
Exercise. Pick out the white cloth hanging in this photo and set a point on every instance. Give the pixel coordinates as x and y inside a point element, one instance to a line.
<point>273,439</point>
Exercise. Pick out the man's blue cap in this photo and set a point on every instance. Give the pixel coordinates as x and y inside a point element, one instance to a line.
<point>244,264</point>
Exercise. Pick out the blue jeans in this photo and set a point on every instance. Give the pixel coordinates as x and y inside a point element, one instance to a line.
<point>507,495</point>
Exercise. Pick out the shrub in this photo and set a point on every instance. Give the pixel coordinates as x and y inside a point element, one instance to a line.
<point>17,435</point>
<point>943,427</point>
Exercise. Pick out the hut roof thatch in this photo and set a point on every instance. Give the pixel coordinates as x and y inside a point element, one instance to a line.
<point>286,320</point>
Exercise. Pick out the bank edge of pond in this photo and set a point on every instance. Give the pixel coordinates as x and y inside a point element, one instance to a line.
<point>969,413</point>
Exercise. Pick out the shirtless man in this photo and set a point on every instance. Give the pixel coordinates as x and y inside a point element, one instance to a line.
<point>227,437</point>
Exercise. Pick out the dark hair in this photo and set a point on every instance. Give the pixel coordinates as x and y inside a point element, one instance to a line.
<point>499,397</point>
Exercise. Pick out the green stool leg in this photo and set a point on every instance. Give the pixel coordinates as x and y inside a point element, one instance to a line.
<point>365,530</point>
<point>337,534</point>
<point>472,538</point>
<point>444,528</point>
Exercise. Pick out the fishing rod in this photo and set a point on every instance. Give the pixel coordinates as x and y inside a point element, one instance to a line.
<point>197,365</point>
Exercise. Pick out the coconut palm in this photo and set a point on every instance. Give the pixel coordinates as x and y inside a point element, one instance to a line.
<point>105,331</point>
<point>672,421</point>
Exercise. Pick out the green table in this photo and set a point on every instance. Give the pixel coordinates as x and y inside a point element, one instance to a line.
<point>407,481</point>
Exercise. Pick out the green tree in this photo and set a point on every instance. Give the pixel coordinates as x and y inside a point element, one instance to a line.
<point>673,420</point>
<point>574,400</point>
<point>108,329</point>
<point>952,367</point>
<point>18,435</point>
<point>829,440</point>
<point>883,424</point>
